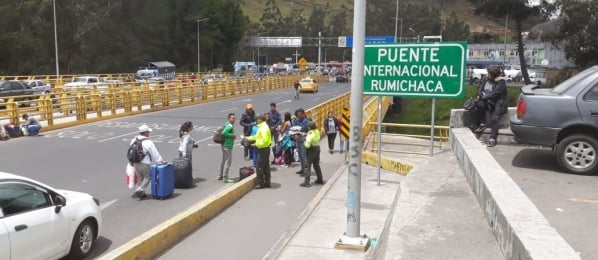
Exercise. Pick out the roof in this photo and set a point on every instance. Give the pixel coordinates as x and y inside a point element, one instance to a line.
<point>161,64</point>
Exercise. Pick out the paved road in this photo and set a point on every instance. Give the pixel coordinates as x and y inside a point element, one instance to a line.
<point>91,158</point>
<point>568,201</point>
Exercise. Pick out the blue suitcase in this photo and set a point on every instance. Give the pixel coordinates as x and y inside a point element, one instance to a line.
<point>162,180</point>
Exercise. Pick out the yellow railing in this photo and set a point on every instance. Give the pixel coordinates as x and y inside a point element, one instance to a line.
<point>114,100</point>
<point>441,136</point>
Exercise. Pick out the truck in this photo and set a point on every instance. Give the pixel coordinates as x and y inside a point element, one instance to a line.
<point>156,71</point>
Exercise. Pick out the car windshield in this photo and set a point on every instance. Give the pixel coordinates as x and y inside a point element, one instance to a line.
<point>306,81</point>
<point>560,88</point>
<point>78,79</point>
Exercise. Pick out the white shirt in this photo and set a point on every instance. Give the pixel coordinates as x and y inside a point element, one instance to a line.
<point>331,126</point>
<point>151,152</point>
<point>186,143</point>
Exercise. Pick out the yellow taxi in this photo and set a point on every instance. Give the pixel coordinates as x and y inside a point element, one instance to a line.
<point>308,85</point>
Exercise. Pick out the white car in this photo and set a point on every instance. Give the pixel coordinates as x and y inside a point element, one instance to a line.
<point>40,222</point>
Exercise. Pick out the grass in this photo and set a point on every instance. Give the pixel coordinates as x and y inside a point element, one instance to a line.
<point>418,110</point>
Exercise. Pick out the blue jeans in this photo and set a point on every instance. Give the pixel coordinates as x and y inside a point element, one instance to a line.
<point>302,156</point>
<point>33,129</point>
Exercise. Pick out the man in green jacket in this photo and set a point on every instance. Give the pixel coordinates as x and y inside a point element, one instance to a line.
<point>312,152</point>
<point>227,148</point>
<point>263,140</point>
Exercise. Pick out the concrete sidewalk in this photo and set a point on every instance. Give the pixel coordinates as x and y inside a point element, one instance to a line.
<point>429,214</point>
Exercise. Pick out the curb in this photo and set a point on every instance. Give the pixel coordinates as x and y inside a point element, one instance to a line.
<point>162,237</point>
<point>283,241</point>
<point>520,229</point>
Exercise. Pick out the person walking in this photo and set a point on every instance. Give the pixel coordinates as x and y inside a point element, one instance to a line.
<point>227,148</point>
<point>297,89</point>
<point>331,127</point>
<point>312,145</point>
<point>142,168</point>
<point>492,97</point>
<point>301,121</point>
<point>263,140</point>
<point>247,121</point>
<point>186,143</point>
<point>32,125</point>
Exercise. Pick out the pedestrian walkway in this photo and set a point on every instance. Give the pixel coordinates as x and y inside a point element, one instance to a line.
<point>431,213</point>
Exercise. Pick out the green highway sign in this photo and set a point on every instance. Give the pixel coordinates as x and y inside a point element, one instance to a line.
<point>435,69</point>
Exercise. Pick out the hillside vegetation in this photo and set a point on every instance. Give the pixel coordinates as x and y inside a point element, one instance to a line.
<point>463,9</point>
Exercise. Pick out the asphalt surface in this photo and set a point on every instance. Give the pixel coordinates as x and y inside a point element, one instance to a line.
<point>91,158</point>
<point>568,201</point>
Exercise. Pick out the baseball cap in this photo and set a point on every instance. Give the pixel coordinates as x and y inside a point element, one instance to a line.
<point>144,128</point>
<point>249,106</point>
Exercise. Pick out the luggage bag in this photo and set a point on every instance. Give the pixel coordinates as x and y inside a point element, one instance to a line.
<point>244,172</point>
<point>162,180</point>
<point>183,173</point>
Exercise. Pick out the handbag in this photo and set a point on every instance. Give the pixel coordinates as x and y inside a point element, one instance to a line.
<point>470,104</point>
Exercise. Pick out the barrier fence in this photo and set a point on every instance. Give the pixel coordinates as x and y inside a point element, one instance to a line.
<point>56,109</point>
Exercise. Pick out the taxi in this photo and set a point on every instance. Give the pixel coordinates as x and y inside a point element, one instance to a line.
<point>308,85</point>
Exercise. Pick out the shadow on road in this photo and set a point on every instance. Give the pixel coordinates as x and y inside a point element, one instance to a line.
<point>539,159</point>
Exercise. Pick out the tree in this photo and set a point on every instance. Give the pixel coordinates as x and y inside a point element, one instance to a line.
<point>516,10</point>
<point>455,29</point>
<point>578,30</point>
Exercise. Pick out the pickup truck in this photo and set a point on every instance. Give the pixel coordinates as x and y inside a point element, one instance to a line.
<point>38,86</point>
<point>9,88</point>
<point>86,82</point>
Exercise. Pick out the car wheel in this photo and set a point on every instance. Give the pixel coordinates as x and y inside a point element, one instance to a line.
<point>83,240</point>
<point>578,154</point>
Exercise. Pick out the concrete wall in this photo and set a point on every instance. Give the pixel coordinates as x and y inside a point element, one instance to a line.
<point>521,231</point>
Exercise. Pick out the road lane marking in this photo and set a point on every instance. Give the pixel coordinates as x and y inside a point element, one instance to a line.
<point>205,139</point>
<point>244,100</point>
<point>583,200</point>
<point>230,109</point>
<point>114,137</point>
<point>107,204</point>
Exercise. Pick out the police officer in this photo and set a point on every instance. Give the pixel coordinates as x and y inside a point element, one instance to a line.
<point>312,151</point>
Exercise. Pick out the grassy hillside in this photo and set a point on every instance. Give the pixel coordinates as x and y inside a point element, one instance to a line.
<point>464,9</point>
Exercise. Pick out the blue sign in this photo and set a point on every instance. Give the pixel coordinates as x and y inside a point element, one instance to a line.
<point>371,40</point>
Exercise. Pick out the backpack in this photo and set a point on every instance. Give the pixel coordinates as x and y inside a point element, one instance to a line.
<point>218,137</point>
<point>135,152</point>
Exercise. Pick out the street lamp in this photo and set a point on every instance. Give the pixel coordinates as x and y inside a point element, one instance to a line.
<point>396,23</point>
<point>198,57</point>
<point>413,32</point>
<point>55,40</point>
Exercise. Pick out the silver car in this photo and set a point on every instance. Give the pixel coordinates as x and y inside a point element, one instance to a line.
<point>564,118</point>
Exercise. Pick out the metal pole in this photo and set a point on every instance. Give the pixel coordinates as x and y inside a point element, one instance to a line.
<point>258,54</point>
<point>380,135</point>
<point>198,62</point>
<point>198,50</point>
<point>56,40</point>
<point>504,58</point>
<point>432,128</point>
<point>396,20</point>
<point>319,49</point>
<point>354,168</point>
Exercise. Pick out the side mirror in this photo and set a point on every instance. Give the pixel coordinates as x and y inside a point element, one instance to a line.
<point>60,202</point>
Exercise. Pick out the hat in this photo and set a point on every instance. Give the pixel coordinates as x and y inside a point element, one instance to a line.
<point>249,106</point>
<point>144,128</point>
<point>24,116</point>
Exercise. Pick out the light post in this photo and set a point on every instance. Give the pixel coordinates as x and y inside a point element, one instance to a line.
<point>413,32</point>
<point>397,20</point>
<point>56,41</point>
<point>198,55</point>
<point>258,53</point>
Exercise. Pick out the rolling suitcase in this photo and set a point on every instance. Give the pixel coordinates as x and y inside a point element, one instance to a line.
<point>162,180</point>
<point>183,174</point>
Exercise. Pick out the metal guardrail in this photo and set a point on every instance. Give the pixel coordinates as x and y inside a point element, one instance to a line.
<point>441,136</point>
<point>122,99</point>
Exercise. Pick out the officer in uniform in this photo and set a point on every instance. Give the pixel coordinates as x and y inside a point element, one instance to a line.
<point>312,151</point>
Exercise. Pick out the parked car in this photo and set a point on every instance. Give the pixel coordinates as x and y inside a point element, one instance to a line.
<point>212,78</point>
<point>9,88</point>
<point>40,222</point>
<point>564,118</point>
<point>308,85</point>
<point>39,86</point>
